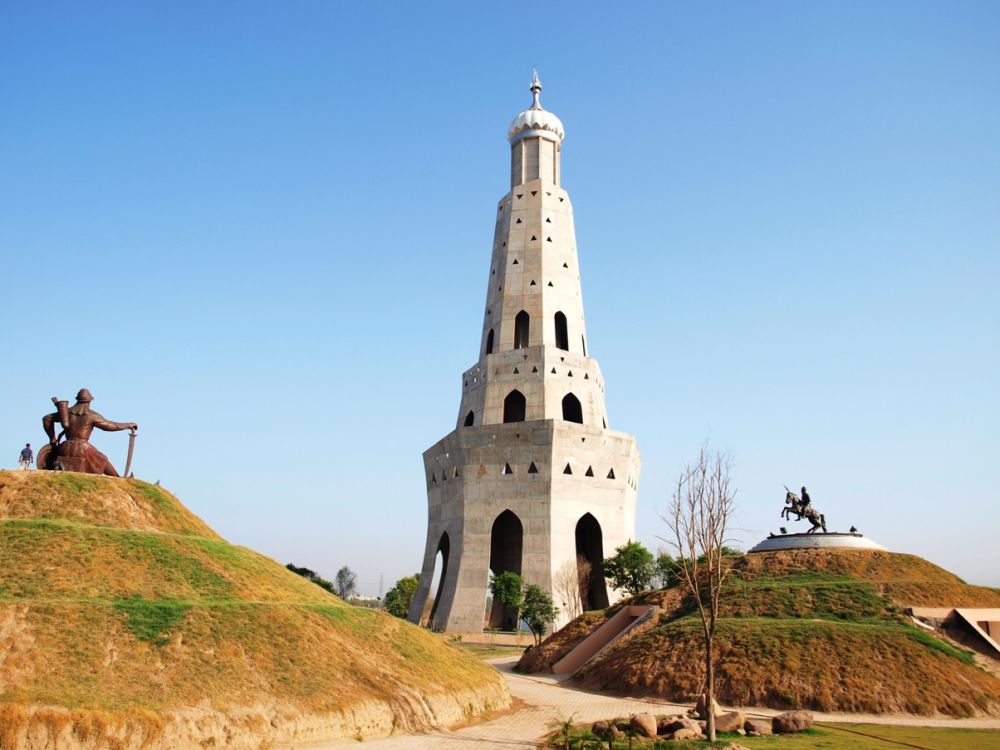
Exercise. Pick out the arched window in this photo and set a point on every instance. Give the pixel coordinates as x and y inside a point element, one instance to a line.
<point>514,407</point>
<point>521,326</point>
<point>470,419</point>
<point>489,342</point>
<point>572,410</point>
<point>562,334</point>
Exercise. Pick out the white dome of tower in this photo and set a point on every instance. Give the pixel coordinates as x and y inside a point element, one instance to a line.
<point>536,121</point>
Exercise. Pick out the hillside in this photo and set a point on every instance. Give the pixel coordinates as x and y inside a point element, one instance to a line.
<point>125,620</point>
<point>818,629</point>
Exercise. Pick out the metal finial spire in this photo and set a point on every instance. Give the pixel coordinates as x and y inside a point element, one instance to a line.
<point>536,89</point>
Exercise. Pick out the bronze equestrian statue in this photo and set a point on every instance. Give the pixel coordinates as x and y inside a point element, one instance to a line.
<point>803,509</point>
<point>76,453</point>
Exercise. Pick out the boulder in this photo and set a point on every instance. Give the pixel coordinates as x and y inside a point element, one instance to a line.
<point>644,724</point>
<point>729,721</point>
<point>699,707</point>
<point>757,727</point>
<point>791,722</point>
<point>671,724</point>
<point>688,733</point>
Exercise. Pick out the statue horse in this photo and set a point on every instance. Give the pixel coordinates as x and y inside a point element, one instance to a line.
<point>794,505</point>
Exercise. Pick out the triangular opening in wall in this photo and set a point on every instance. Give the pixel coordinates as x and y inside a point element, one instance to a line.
<point>590,471</point>
<point>534,369</point>
<point>515,262</point>
<point>548,239</point>
<point>553,371</point>
<point>493,272</point>
<point>482,470</point>
<point>433,479</point>
<point>518,221</point>
<point>534,192</point>
<point>548,220</point>
<point>605,423</point>
<point>551,284</point>
<point>547,192</point>
<point>507,469</point>
<point>560,199</point>
<point>565,265</point>
<point>567,470</point>
<point>455,476</point>
<point>611,474</point>
<point>532,283</point>
<point>533,238</point>
<point>520,195</point>
<point>516,371</point>
<point>499,288</point>
<point>570,374</point>
<point>504,244</point>
<point>586,376</point>
<point>532,469</point>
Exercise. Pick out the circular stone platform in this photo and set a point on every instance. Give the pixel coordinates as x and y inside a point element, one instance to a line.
<point>819,540</point>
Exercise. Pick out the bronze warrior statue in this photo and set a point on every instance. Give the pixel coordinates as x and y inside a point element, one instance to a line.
<point>78,423</point>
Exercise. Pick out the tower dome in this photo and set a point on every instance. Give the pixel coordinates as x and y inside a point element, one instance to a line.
<point>536,122</point>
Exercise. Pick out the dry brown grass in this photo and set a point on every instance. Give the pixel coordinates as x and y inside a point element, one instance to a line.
<point>96,500</point>
<point>108,626</point>
<point>820,629</point>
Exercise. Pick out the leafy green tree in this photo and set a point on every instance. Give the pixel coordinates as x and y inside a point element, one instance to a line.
<point>537,611</point>
<point>347,583</point>
<point>631,569</point>
<point>311,575</point>
<point>667,571</point>
<point>507,588</point>
<point>400,596</point>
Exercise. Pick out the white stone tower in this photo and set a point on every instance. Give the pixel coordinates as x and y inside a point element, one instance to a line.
<point>531,478</point>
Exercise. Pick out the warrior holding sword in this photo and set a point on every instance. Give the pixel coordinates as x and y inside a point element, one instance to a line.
<point>78,423</point>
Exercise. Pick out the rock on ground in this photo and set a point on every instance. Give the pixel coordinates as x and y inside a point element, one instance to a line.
<point>644,724</point>
<point>791,722</point>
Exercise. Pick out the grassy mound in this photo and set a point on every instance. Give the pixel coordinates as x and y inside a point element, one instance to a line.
<point>125,619</point>
<point>815,629</point>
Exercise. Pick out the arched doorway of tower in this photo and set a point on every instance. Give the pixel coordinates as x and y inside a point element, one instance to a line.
<point>572,409</point>
<point>437,579</point>
<point>590,547</point>
<point>514,407</point>
<point>505,555</point>
<point>522,323</point>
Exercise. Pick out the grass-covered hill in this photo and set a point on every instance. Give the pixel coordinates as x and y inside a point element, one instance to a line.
<point>125,621</point>
<point>816,629</point>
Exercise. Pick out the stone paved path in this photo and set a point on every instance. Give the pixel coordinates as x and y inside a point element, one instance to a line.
<point>545,700</point>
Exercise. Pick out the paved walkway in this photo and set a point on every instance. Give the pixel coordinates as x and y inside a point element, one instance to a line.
<point>544,701</point>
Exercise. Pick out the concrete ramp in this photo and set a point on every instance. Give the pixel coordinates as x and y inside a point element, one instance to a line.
<point>983,622</point>
<point>614,628</point>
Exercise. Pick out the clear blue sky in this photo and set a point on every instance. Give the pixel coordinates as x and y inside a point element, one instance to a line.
<point>262,231</point>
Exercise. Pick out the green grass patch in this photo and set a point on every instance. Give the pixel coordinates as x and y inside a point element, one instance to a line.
<point>151,621</point>
<point>926,639</point>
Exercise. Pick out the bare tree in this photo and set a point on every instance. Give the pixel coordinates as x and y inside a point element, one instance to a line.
<point>564,582</point>
<point>569,583</point>
<point>346,583</point>
<point>703,504</point>
<point>584,570</point>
